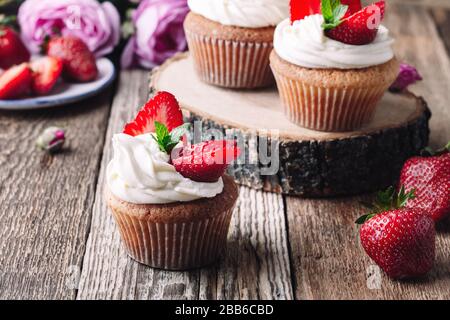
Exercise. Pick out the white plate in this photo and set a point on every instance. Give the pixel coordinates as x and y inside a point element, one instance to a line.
<point>65,93</point>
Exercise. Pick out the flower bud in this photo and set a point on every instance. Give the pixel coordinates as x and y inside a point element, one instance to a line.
<point>407,76</point>
<point>51,140</point>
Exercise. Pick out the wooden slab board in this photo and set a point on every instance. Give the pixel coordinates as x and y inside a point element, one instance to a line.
<point>311,163</point>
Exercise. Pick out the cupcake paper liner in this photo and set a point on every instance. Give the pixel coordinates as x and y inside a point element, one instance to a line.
<point>174,245</point>
<point>327,109</point>
<point>231,64</point>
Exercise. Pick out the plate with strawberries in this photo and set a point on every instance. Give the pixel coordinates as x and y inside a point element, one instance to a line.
<point>67,72</point>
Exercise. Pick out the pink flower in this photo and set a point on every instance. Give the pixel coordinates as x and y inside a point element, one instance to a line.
<point>98,25</point>
<point>407,76</point>
<point>159,33</point>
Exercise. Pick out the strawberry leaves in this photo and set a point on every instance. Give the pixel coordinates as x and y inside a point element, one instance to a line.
<point>333,12</point>
<point>385,201</point>
<point>168,140</point>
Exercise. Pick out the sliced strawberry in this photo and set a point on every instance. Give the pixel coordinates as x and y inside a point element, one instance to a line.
<point>353,7</point>
<point>206,161</point>
<point>360,28</point>
<point>163,108</point>
<point>15,82</point>
<point>47,71</point>
<point>303,8</point>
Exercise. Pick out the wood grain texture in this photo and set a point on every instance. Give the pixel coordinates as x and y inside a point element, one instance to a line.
<point>328,260</point>
<point>258,240</point>
<point>46,200</point>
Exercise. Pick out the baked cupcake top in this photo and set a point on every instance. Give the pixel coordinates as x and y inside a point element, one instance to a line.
<point>242,13</point>
<point>351,40</point>
<point>152,166</point>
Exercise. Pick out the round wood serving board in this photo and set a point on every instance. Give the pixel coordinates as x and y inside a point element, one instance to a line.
<point>311,163</point>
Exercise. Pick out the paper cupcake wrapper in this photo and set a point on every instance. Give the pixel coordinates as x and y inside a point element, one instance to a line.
<point>328,109</point>
<point>231,64</point>
<point>174,246</point>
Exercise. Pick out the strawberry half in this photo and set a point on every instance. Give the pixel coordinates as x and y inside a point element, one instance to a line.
<point>358,29</point>
<point>46,72</point>
<point>430,178</point>
<point>206,161</point>
<point>163,108</point>
<point>15,82</point>
<point>303,8</point>
<point>12,49</point>
<point>400,240</point>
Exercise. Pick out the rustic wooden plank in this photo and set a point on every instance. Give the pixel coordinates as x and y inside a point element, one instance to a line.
<point>256,264</point>
<point>442,20</point>
<point>258,225</point>
<point>46,201</point>
<point>329,262</point>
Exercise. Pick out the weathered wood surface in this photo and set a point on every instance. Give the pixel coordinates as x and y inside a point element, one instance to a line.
<point>46,201</point>
<point>256,264</point>
<point>328,261</point>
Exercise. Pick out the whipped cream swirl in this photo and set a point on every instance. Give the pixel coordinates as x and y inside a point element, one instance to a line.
<point>242,13</point>
<point>305,44</point>
<point>140,173</point>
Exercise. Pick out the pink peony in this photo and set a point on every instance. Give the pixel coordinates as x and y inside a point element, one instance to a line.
<point>158,35</point>
<point>407,76</point>
<point>98,25</point>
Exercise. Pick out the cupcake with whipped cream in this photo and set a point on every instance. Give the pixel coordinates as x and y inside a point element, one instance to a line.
<point>231,40</point>
<point>172,202</point>
<point>332,68</point>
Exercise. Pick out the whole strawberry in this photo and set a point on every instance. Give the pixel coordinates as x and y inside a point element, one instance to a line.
<point>400,240</point>
<point>79,62</point>
<point>429,176</point>
<point>12,49</point>
<point>359,28</point>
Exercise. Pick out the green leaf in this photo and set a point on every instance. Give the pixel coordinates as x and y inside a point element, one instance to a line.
<point>363,219</point>
<point>327,10</point>
<point>180,131</point>
<point>333,12</point>
<point>168,140</point>
<point>339,12</point>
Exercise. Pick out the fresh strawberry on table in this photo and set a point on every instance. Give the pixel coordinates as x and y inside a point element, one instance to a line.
<point>12,49</point>
<point>357,29</point>
<point>79,62</point>
<point>399,239</point>
<point>429,176</point>
<point>46,72</point>
<point>15,82</point>
<point>206,161</point>
<point>163,108</point>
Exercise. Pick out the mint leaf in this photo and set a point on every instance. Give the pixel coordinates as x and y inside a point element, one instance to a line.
<point>327,10</point>
<point>168,140</point>
<point>333,12</point>
<point>339,12</point>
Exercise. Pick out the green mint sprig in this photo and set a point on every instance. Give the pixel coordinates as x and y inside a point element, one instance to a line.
<point>333,12</point>
<point>168,140</point>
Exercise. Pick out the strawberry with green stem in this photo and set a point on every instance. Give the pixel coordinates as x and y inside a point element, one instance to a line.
<point>399,239</point>
<point>303,8</point>
<point>429,176</point>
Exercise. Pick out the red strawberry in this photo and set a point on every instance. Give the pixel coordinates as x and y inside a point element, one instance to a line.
<point>163,108</point>
<point>400,240</point>
<point>206,161</point>
<point>303,8</point>
<point>15,82</point>
<point>430,178</point>
<point>47,71</point>
<point>358,29</point>
<point>12,49</point>
<point>79,62</point>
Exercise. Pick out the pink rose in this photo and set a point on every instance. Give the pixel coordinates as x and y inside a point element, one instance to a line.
<point>98,25</point>
<point>159,33</point>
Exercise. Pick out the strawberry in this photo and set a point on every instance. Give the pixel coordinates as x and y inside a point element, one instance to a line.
<point>206,161</point>
<point>78,61</point>
<point>163,108</point>
<point>15,82</point>
<point>400,240</point>
<point>429,176</point>
<point>12,49</point>
<point>358,29</point>
<point>46,72</point>
<point>303,8</point>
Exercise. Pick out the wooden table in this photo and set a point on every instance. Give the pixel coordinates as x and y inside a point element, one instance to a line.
<point>58,241</point>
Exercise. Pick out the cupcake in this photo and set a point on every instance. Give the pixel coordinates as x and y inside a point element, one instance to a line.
<point>231,40</point>
<point>332,69</point>
<point>171,201</point>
